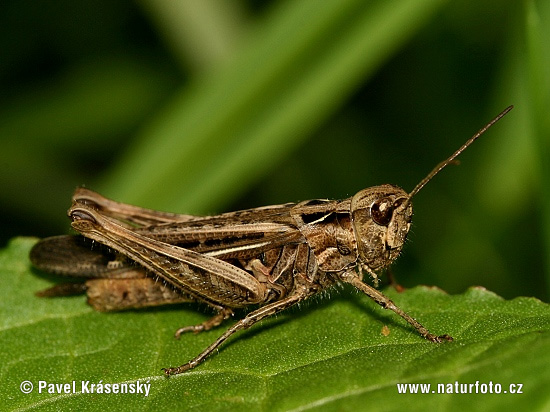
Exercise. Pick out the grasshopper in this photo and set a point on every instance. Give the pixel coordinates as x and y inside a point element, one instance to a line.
<point>271,257</point>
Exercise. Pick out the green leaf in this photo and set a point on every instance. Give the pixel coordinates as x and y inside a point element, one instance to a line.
<point>328,355</point>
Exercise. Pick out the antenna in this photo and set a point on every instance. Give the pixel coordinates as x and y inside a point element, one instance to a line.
<point>452,158</point>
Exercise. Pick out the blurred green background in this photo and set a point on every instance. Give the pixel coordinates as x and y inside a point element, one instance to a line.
<point>207,106</point>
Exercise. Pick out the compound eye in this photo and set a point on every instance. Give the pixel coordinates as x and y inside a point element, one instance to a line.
<point>381,211</point>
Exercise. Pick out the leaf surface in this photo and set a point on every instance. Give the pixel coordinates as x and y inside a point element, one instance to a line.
<point>329,354</point>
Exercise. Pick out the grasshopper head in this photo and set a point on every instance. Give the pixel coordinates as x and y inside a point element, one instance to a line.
<point>381,217</point>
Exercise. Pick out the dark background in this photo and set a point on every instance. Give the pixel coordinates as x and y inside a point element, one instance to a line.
<point>205,107</point>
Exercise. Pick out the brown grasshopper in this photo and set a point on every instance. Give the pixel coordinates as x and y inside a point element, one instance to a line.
<point>272,257</point>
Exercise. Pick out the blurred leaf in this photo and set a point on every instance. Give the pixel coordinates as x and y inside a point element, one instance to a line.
<point>331,355</point>
<point>200,33</point>
<point>51,127</point>
<point>226,129</point>
<point>94,99</point>
<point>537,15</point>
